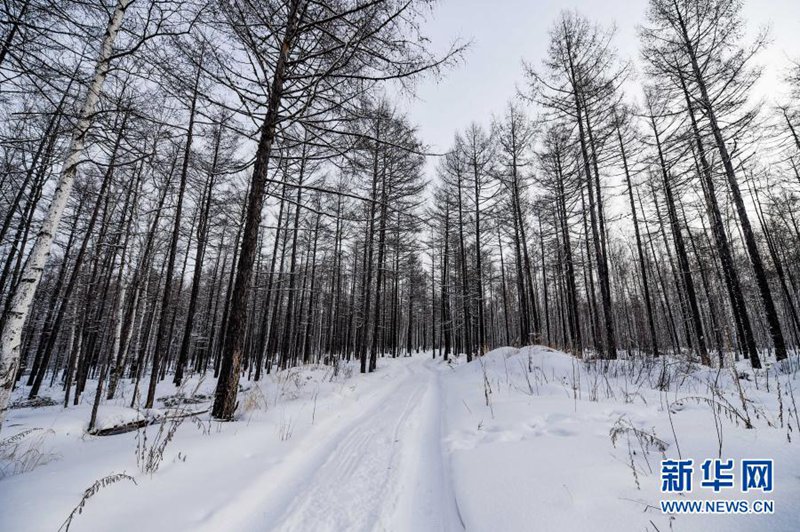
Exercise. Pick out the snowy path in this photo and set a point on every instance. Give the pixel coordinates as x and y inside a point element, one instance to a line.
<point>378,466</point>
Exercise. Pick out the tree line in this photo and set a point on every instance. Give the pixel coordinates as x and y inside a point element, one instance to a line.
<point>206,187</point>
<point>226,188</point>
<point>639,212</point>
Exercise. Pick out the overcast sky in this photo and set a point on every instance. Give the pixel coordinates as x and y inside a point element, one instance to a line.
<point>503,32</point>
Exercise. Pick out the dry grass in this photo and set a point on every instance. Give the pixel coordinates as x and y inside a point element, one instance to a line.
<point>90,492</point>
<point>24,451</point>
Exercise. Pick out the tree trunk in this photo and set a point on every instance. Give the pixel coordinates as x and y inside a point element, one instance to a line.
<point>680,249</point>
<point>642,263</point>
<point>771,312</point>
<point>228,383</point>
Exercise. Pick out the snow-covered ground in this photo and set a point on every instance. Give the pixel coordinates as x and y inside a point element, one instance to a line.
<point>528,439</point>
<point>541,455</point>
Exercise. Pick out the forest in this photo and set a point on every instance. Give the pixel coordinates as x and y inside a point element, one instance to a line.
<point>232,190</point>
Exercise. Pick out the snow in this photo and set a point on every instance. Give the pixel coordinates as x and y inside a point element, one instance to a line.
<point>415,447</point>
<point>545,455</point>
<point>109,416</point>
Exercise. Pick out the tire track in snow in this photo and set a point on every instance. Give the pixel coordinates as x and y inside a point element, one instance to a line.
<point>257,505</point>
<point>351,489</point>
<point>428,501</point>
<point>379,467</point>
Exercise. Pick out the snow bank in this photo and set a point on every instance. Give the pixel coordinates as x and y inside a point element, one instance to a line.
<point>542,441</point>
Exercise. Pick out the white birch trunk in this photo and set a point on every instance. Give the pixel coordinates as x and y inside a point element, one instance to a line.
<point>20,305</point>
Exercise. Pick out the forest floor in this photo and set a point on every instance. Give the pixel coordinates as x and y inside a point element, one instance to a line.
<point>529,439</point>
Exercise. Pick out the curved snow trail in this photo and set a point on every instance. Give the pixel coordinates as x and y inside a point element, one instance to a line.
<point>381,468</point>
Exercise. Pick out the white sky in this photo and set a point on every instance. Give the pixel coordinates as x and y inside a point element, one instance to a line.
<point>503,32</point>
